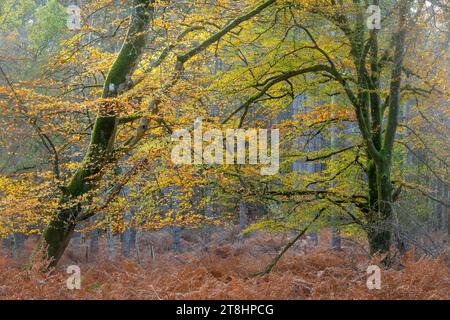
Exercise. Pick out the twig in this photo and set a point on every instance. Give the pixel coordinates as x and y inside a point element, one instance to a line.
<point>274,262</point>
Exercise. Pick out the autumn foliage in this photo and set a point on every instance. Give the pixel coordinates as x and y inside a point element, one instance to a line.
<point>89,124</point>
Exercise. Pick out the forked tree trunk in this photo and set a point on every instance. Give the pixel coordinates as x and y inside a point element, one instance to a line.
<point>381,226</point>
<point>57,234</point>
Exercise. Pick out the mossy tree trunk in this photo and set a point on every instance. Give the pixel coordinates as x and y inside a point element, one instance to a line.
<point>57,234</point>
<point>377,120</point>
<point>380,136</point>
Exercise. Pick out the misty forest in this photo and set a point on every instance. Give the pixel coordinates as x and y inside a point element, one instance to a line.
<point>224,149</point>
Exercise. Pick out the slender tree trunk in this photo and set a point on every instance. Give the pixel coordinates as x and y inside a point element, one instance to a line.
<point>176,230</point>
<point>335,234</point>
<point>128,236</point>
<point>15,244</point>
<point>111,245</point>
<point>243,219</point>
<point>93,241</point>
<point>57,234</point>
<point>335,239</point>
<point>242,215</point>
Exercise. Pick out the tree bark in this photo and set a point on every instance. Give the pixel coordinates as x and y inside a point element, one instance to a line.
<point>381,225</point>
<point>56,235</point>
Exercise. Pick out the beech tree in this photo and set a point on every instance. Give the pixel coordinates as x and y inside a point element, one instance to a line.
<point>102,103</point>
<point>372,79</point>
<point>100,151</point>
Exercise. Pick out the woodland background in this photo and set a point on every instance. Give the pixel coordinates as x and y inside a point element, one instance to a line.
<point>86,176</point>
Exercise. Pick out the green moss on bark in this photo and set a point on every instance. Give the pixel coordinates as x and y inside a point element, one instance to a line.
<point>56,235</point>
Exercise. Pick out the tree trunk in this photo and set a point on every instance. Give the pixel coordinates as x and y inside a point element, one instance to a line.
<point>335,239</point>
<point>93,242</point>
<point>381,225</point>
<point>176,230</point>
<point>57,234</point>
<point>127,239</point>
<point>111,245</point>
<point>242,215</point>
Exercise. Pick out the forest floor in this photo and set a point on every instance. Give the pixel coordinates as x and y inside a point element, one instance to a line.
<point>223,270</point>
